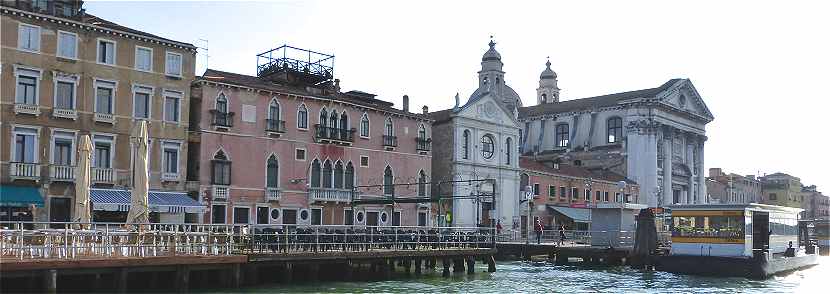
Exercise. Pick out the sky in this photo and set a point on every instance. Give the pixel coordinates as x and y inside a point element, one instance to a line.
<point>760,66</point>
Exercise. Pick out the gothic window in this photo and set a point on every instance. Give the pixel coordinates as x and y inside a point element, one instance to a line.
<point>614,130</point>
<point>274,110</point>
<point>333,119</point>
<point>221,169</point>
<point>338,175</point>
<point>465,145</point>
<point>272,172</point>
<point>364,126</point>
<point>324,116</point>
<point>561,137</point>
<point>222,104</point>
<point>422,184</point>
<point>389,129</point>
<point>327,174</point>
<point>302,117</point>
<point>344,120</point>
<point>422,132</point>
<point>349,176</point>
<point>487,146</point>
<point>525,179</point>
<point>388,179</point>
<point>315,174</point>
<point>508,146</point>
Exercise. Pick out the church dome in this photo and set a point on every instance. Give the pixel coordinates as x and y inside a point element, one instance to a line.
<point>547,73</point>
<point>491,54</point>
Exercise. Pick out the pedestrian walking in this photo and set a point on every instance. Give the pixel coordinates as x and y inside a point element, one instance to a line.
<point>539,230</point>
<point>561,234</point>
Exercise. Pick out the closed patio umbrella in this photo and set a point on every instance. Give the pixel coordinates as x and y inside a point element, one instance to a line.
<point>139,208</point>
<point>82,178</point>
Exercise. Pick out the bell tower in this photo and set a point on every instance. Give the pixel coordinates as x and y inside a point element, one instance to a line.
<point>548,91</point>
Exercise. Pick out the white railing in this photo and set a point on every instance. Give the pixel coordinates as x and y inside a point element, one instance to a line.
<point>104,117</point>
<point>62,173</point>
<point>330,194</point>
<point>24,170</point>
<point>272,194</point>
<point>26,108</point>
<point>65,113</point>
<point>165,176</point>
<point>220,192</point>
<point>103,175</point>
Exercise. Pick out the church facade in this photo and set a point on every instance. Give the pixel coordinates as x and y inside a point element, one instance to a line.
<point>655,137</point>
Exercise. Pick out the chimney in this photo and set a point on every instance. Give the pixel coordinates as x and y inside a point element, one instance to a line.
<point>406,103</point>
<point>425,109</point>
<point>714,172</point>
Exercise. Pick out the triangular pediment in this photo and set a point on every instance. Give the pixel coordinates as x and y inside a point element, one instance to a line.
<point>683,97</point>
<point>487,108</point>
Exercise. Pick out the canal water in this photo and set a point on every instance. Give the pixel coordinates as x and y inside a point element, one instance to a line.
<point>538,277</point>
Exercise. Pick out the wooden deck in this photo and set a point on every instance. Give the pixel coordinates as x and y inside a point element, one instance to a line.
<point>367,255</point>
<point>12,264</point>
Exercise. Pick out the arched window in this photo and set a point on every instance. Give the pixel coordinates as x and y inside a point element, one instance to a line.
<point>544,97</point>
<point>389,128</point>
<point>465,145</point>
<point>508,147</point>
<point>614,130</point>
<point>221,169</point>
<point>487,146</point>
<point>364,125</point>
<point>272,172</point>
<point>333,119</point>
<point>524,182</point>
<point>388,180</point>
<point>562,135</point>
<point>327,174</point>
<point>274,110</point>
<point>422,132</point>
<point>338,175</point>
<point>315,173</point>
<point>344,120</point>
<point>324,117</point>
<point>302,117</point>
<point>349,175</point>
<point>222,103</point>
<point>422,184</point>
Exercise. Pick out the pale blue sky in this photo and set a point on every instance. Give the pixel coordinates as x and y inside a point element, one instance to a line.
<point>761,67</point>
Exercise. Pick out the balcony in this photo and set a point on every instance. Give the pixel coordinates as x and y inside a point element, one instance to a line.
<point>390,142</point>
<point>220,192</point>
<point>221,119</point>
<point>169,177</point>
<point>326,134</point>
<point>24,171</point>
<point>26,109</point>
<point>272,194</point>
<point>329,194</point>
<point>103,175</point>
<point>62,173</point>
<point>422,144</point>
<point>107,118</point>
<point>65,113</point>
<point>275,126</point>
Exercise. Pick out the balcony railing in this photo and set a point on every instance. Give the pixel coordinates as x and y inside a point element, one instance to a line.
<point>272,194</point>
<point>26,108</point>
<point>275,126</point>
<point>422,144</point>
<point>65,113</point>
<point>63,173</point>
<point>104,117</point>
<point>330,194</point>
<point>222,119</point>
<point>334,134</point>
<point>170,177</point>
<point>390,141</point>
<point>220,192</point>
<point>103,175</point>
<point>24,170</point>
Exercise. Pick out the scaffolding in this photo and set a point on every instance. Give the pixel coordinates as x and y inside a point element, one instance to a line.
<point>306,65</point>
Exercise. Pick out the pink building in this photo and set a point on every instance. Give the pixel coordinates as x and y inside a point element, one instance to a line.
<point>287,147</point>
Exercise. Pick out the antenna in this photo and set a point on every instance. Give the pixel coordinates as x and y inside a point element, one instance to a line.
<point>207,51</point>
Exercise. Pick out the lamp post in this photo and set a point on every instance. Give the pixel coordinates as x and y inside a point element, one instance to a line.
<point>528,196</point>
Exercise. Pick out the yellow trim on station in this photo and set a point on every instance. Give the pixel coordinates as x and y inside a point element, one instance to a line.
<point>707,213</point>
<point>715,240</point>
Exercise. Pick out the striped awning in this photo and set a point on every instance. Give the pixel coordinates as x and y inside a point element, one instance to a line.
<point>159,201</point>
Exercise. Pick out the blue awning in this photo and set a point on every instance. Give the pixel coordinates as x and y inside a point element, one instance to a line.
<point>20,196</point>
<point>579,215</point>
<point>165,202</point>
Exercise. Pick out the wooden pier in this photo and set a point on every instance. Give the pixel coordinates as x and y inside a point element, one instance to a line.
<point>564,254</point>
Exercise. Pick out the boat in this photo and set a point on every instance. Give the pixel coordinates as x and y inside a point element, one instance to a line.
<point>736,240</point>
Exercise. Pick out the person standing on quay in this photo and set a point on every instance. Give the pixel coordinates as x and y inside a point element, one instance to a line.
<point>561,235</point>
<point>538,228</point>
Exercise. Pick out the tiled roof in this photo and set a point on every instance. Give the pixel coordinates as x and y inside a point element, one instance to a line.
<point>592,102</point>
<point>212,75</point>
<point>527,163</point>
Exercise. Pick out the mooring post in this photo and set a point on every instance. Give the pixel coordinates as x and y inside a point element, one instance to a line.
<point>418,268</point>
<point>471,262</point>
<point>446,263</point>
<point>121,279</point>
<point>182,279</point>
<point>50,281</point>
<point>288,274</point>
<point>236,275</point>
<point>491,264</point>
<point>458,265</point>
<point>313,272</point>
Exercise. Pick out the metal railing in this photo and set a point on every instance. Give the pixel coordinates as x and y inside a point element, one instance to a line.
<point>335,134</point>
<point>104,117</point>
<point>390,141</point>
<point>64,173</point>
<point>42,240</point>
<point>222,119</point>
<point>24,170</point>
<point>275,126</point>
<point>272,194</point>
<point>26,108</point>
<point>220,192</point>
<point>572,238</point>
<point>65,113</point>
<point>422,144</point>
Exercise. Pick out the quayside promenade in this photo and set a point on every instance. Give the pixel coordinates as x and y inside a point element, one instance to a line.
<point>57,257</point>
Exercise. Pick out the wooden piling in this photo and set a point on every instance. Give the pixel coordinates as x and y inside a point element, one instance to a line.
<point>446,264</point>
<point>491,264</point>
<point>236,275</point>
<point>418,268</point>
<point>471,262</point>
<point>288,273</point>
<point>121,277</point>
<point>50,281</point>
<point>182,279</point>
<point>313,272</point>
<point>458,265</point>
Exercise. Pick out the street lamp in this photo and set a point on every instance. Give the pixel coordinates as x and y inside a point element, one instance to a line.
<point>527,197</point>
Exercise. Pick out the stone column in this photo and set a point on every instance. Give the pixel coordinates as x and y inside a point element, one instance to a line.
<point>690,162</point>
<point>701,178</point>
<point>668,145</point>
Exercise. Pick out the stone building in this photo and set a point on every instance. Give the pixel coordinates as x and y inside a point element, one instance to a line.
<point>732,188</point>
<point>815,204</point>
<point>655,136</point>
<point>66,73</point>
<point>288,147</point>
<point>478,140</point>
<point>781,189</point>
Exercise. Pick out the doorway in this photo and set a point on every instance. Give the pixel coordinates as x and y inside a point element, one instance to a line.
<point>760,232</point>
<point>59,210</point>
<point>262,215</point>
<point>372,218</point>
